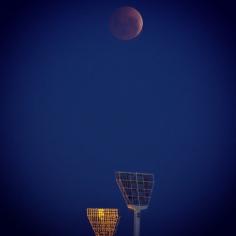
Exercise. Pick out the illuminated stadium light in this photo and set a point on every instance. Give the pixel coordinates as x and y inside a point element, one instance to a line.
<point>104,221</point>
<point>136,189</point>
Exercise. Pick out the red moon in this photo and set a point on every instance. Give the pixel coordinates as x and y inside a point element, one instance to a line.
<point>126,23</point>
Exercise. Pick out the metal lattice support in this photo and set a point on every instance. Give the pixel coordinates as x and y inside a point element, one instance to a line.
<point>104,221</point>
<point>136,189</point>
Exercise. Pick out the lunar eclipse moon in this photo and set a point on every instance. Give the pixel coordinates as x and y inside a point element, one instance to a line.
<point>126,23</point>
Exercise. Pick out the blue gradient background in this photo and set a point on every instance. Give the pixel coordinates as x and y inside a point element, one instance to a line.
<point>77,105</point>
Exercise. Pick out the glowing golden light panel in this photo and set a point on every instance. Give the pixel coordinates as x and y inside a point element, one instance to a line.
<point>104,221</point>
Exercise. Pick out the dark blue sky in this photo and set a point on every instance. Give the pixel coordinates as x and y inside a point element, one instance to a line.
<point>78,105</point>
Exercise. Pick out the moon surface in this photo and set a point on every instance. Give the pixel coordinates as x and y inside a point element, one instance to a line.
<point>126,23</point>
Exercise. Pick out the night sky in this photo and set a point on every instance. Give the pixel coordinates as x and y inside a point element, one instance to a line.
<point>77,104</point>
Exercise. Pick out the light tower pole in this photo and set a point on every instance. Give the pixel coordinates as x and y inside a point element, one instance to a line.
<point>136,189</point>
<point>137,215</point>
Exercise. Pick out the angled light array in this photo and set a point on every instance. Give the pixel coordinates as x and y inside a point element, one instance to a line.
<point>136,189</point>
<point>104,221</point>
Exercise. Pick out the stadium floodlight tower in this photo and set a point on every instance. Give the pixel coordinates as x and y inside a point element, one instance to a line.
<point>136,189</point>
<point>104,221</point>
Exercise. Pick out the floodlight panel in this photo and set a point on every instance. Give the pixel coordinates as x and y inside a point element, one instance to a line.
<point>136,187</point>
<point>104,221</point>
